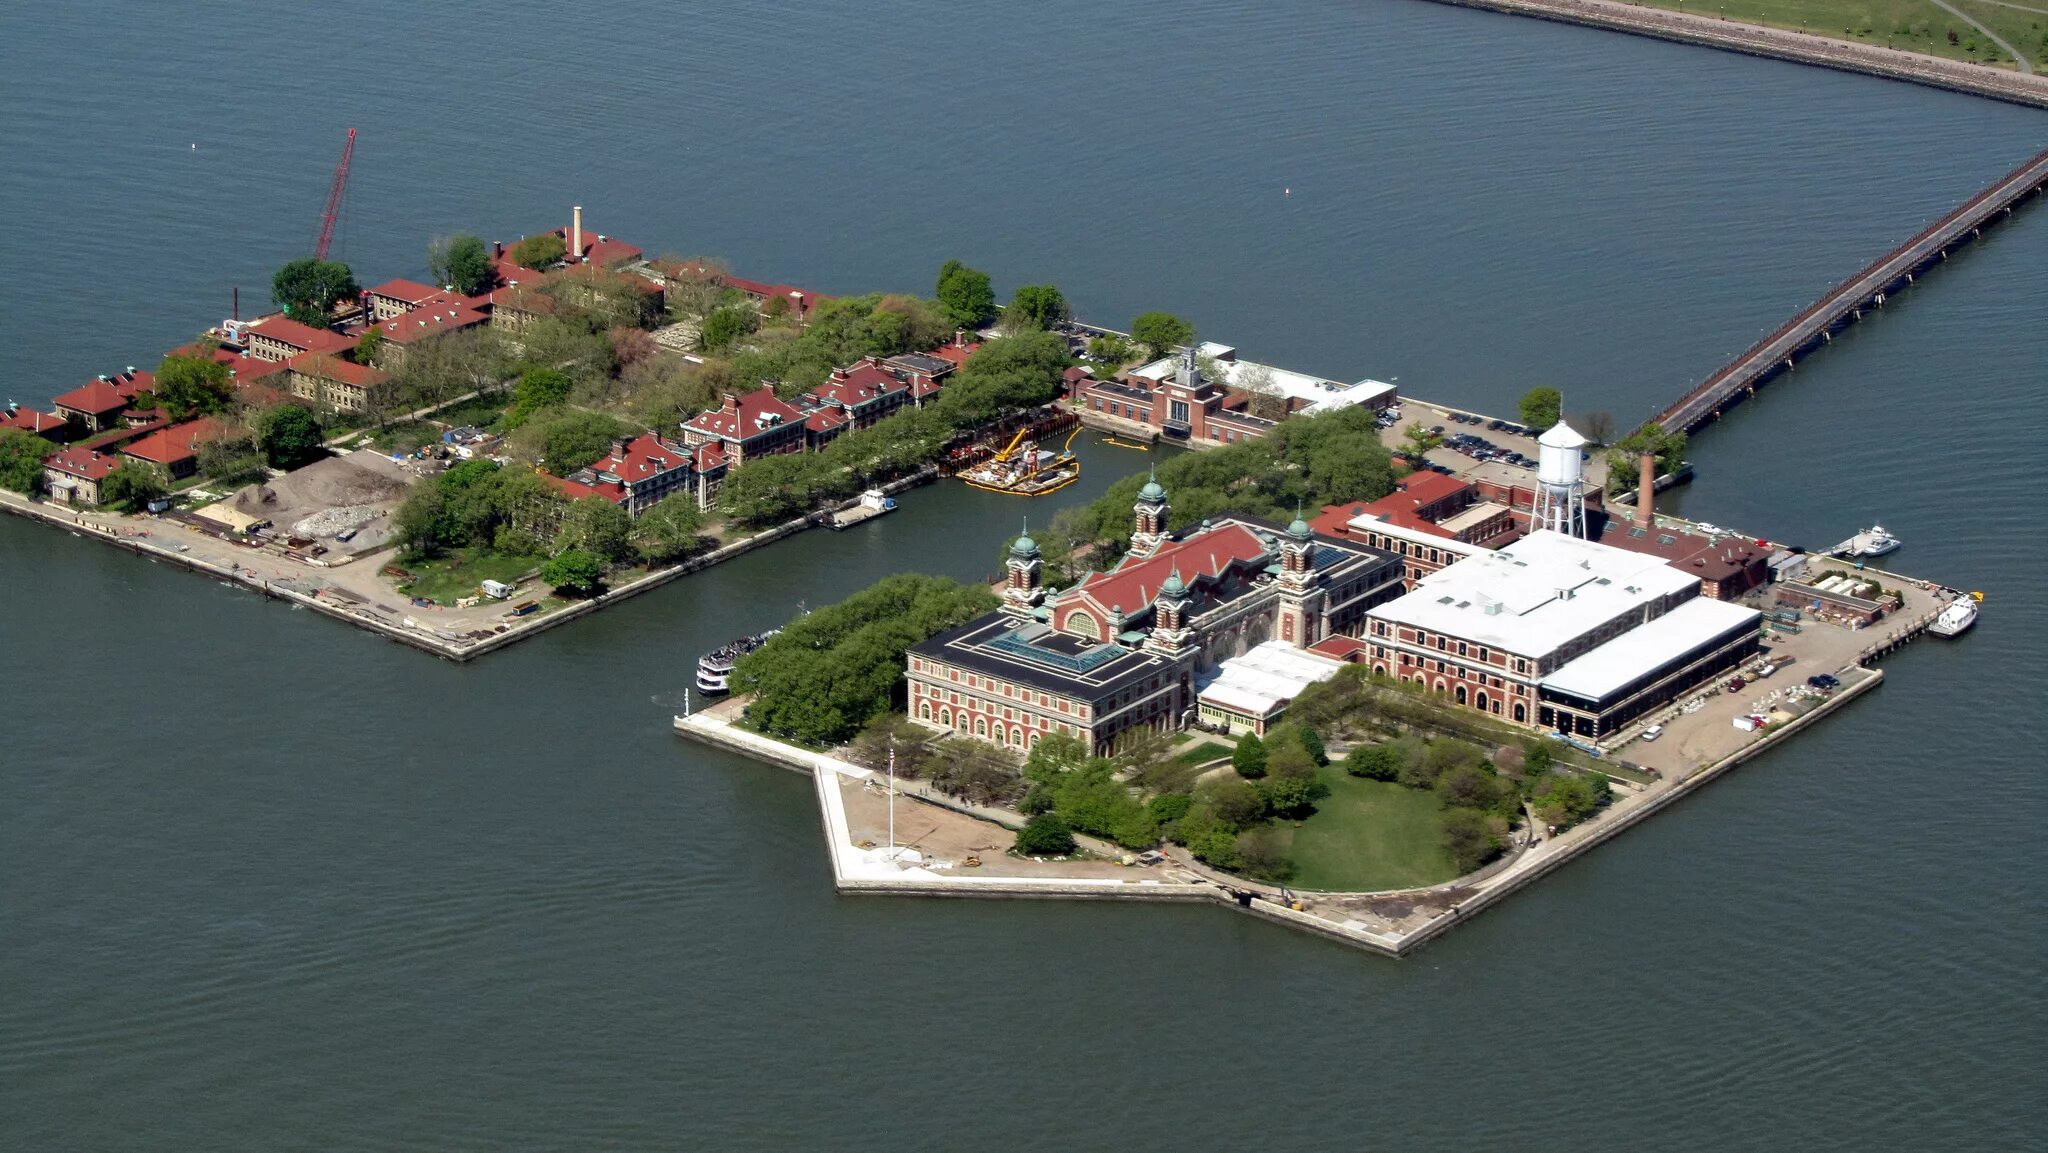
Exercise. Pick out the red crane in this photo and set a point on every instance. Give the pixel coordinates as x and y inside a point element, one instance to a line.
<point>334,195</point>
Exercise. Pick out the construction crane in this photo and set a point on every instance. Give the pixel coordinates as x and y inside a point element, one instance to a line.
<point>334,196</point>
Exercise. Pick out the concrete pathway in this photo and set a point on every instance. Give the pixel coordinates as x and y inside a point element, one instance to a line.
<point>2018,60</point>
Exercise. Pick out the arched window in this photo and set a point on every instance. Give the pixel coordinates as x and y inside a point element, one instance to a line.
<point>981,726</point>
<point>1461,694</point>
<point>1440,686</point>
<point>1481,701</point>
<point>924,710</point>
<point>1521,712</point>
<point>1083,623</point>
<point>1001,737</point>
<point>945,718</point>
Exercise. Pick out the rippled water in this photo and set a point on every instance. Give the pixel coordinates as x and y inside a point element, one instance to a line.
<point>267,882</point>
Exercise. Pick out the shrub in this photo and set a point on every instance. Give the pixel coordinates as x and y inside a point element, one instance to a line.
<point>1260,855</point>
<point>1291,796</point>
<point>1167,807</point>
<point>1249,758</point>
<point>1045,835</point>
<point>1470,838</point>
<point>1373,762</point>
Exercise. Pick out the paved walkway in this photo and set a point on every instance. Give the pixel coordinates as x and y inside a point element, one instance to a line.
<point>2019,61</point>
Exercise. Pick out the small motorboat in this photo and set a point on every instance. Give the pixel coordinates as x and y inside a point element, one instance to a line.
<point>1956,619</point>
<point>1871,542</point>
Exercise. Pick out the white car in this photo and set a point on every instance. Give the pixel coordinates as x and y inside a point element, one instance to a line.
<point>1653,732</point>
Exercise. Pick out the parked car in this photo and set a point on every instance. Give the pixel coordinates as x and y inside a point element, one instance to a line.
<point>1653,732</point>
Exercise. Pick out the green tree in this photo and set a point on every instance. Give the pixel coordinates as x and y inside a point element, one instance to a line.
<point>1236,804</point>
<point>368,346</point>
<point>1046,835</point>
<point>1249,758</point>
<point>575,571</point>
<point>539,388</point>
<point>1054,756</point>
<point>290,436</point>
<point>1261,855</point>
<point>726,326</point>
<point>1373,762</point>
<point>670,531</point>
<point>309,289</point>
<point>1004,375</point>
<point>130,487</point>
<point>598,527</point>
<point>1161,332</point>
<point>540,252</point>
<point>1037,306</point>
<point>1312,742</point>
<point>1542,407</point>
<point>193,385</point>
<point>21,460</point>
<point>462,263</point>
<point>966,295</point>
<point>576,438</point>
<point>1291,796</point>
<point>1667,447</point>
<point>1469,838</point>
<point>1417,440</point>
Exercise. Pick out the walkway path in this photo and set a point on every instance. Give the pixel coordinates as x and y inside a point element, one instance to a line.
<point>2019,61</point>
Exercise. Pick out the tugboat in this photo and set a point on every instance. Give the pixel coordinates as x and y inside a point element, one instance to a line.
<point>1024,469</point>
<point>1871,542</point>
<point>714,669</point>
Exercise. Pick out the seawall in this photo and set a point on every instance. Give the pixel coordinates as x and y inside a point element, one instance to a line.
<point>1800,47</point>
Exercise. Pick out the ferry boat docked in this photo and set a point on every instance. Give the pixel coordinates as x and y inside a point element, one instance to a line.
<point>1871,542</point>
<point>714,669</point>
<point>1956,619</point>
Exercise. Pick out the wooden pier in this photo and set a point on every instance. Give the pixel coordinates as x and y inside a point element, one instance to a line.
<point>1846,303</point>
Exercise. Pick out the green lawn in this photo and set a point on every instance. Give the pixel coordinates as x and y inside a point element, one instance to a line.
<point>1913,25</point>
<point>457,574</point>
<point>1368,835</point>
<point>1204,752</point>
<point>481,411</point>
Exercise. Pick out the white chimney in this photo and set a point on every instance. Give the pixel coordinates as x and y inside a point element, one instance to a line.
<point>576,235</point>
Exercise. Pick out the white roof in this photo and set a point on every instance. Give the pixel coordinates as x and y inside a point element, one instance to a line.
<point>1536,595</point>
<point>1320,393</point>
<point>1266,678</point>
<point>1645,649</point>
<point>1562,435</point>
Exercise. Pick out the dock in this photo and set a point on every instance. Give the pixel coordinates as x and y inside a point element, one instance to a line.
<point>1846,303</point>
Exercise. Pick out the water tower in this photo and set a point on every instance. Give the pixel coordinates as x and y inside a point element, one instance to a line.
<point>1560,482</point>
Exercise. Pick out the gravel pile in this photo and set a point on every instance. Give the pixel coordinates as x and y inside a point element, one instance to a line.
<point>335,521</point>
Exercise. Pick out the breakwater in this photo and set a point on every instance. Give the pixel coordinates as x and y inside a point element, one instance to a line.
<point>1799,47</point>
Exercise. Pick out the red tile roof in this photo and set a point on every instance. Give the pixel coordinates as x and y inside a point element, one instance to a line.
<point>863,383</point>
<point>324,366</point>
<point>1423,488</point>
<point>710,457</point>
<point>826,420</point>
<point>1342,648</point>
<point>421,323</point>
<point>179,442</point>
<point>577,490</point>
<point>410,291</point>
<point>957,353</point>
<point>247,370</point>
<point>742,416</point>
<point>83,462</point>
<point>303,337</point>
<point>645,456</point>
<point>1131,585</point>
<point>106,396</point>
<point>29,420</point>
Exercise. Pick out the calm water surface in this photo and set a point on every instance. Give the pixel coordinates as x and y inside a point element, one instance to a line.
<point>270,883</point>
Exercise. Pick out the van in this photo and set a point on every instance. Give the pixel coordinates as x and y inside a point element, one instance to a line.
<point>1653,732</point>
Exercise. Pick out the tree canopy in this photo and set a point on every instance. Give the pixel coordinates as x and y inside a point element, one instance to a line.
<point>130,486</point>
<point>468,506</point>
<point>1045,835</point>
<point>1541,408</point>
<point>966,295</point>
<point>193,385</point>
<point>1161,332</point>
<point>463,263</point>
<point>289,436</point>
<point>1668,447</point>
<point>830,671</point>
<point>670,531</point>
<point>308,289</point>
<point>1037,306</point>
<point>540,252</point>
<point>574,570</point>
<point>596,526</point>
<point>1007,373</point>
<point>21,460</point>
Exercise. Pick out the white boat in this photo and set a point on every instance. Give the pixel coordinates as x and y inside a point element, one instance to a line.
<point>714,669</point>
<point>1871,542</point>
<point>1956,619</point>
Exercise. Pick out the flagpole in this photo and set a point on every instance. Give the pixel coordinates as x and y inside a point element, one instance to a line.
<point>892,798</point>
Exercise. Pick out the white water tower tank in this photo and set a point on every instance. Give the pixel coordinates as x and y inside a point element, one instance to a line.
<point>1557,456</point>
<point>1560,482</point>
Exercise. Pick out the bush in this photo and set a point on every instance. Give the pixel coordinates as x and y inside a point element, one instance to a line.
<point>1373,762</point>
<point>1469,838</point>
<point>289,436</point>
<point>1169,807</point>
<point>1249,758</point>
<point>1471,787</point>
<point>1046,835</point>
<point>1260,855</point>
<point>1292,797</point>
<point>1037,799</point>
<point>1312,741</point>
<point>1233,803</point>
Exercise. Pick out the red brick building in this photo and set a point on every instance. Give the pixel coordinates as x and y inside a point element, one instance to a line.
<point>749,426</point>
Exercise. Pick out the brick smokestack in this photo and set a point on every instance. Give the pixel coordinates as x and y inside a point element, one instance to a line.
<point>1646,490</point>
<point>576,234</point>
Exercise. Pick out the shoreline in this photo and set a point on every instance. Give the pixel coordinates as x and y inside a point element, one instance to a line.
<point>408,632</point>
<point>854,872</point>
<point>1777,44</point>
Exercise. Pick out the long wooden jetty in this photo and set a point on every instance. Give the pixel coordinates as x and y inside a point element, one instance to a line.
<point>1846,303</point>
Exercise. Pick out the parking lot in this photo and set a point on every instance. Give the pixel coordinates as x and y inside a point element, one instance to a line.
<point>1482,439</point>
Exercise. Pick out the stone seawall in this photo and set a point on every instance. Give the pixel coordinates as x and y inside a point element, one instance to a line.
<point>1800,47</point>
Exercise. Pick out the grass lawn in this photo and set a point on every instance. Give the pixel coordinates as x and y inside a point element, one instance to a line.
<point>481,411</point>
<point>1203,752</point>
<point>405,437</point>
<point>1368,835</point>
<point>1913,25</point>
<point>457,574</point>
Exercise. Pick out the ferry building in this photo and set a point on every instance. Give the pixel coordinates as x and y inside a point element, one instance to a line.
<point>1124,649</point>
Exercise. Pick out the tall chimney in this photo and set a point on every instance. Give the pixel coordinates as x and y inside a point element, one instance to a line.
<point>576,235</point>
<point>1646,490</point>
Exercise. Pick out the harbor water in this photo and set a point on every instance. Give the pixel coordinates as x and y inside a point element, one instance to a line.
<point>269,882</point>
